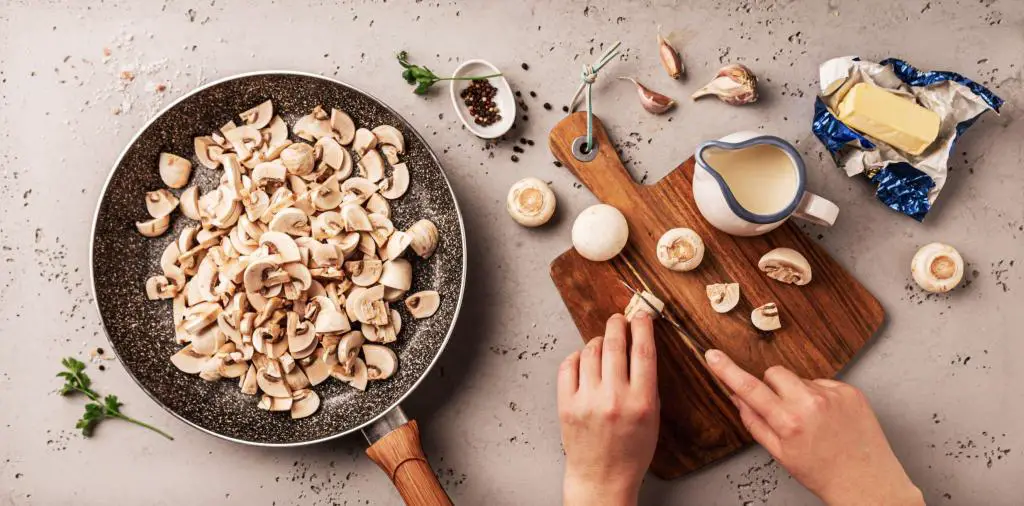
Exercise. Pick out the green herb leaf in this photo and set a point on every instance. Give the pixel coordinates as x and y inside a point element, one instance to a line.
<point>75,380</point>
<point>423,77</point>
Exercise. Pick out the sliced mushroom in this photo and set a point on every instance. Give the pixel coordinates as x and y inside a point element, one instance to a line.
<point>347,244</point>
<point>278,140</point>
<point>273,385</point>
<point>390,153</point>
<point>680,249</point>
<point>305,402</point>
<point>207,151</point>
<point>396,245</point>
<point>281,245</point>
<point>328,195</point>
<point>937,267</point>
<point>313,125</point>
<point>766,317</point>
<point>398,183</point>
<point>268,173</point>
<point>174,170</point>
<point>424,238</point>
<point>786,265</point>
<point>232,366</point>
<point>248,384</point>
<point>348,350</point>
<point>189,203</point>
<point>244,140</point>
<point>530,202</point>
<point>381,361</point>
<point>423,304</point>
<point>393,294</point>
<point>189,361</point>
<point>371,166</point>
<point>301,341</point>
<point>317,370</point>
<point>343,126</point>
<point>377,204</point>
<point>397,273</point>
<point>160,203</point>
<point>723,296</point>
<point>382,228</point>
<point>271,403</point>
<point>644,302</point>
<point>258,116</point>
<point>296,379</point>
<point>356,379</point>
<point>334,156</point>
<point>368,306</point>
<point>159,287</point>
<point>391,136</point>
<point>154,227</point>
<point>384,333</point>
<point>356,219</point>
<point>364,272</point>
<point>291,221</point>
<point>357,190</point>
<point>364,140</point>
<point>329,318</point>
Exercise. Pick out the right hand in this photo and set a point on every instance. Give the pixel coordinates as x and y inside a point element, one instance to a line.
<point>822,431</point>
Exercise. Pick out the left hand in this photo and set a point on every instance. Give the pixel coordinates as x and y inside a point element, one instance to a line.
<point>609,408</point>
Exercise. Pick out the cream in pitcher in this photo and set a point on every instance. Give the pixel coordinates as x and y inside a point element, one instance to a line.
<point>748,184</point>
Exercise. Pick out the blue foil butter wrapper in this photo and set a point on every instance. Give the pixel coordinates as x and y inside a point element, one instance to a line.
<point>905,183</point>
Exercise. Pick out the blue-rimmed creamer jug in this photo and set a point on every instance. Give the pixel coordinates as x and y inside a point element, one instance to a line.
<point>748,184</point>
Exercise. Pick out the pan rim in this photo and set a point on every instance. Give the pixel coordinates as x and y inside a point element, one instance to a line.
<point>462,237</point>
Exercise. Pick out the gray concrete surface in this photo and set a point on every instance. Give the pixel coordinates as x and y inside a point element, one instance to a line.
<point>944,374</point>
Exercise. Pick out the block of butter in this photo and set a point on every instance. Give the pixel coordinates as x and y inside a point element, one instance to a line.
<point>890,118</point>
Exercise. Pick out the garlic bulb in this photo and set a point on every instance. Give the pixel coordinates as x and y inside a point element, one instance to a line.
<point>733,84</point>
<point>652,101</point>
<point>670,58</point>
<point>937,267</point>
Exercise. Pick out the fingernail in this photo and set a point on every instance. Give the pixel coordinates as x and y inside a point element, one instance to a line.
<point>714,356</point>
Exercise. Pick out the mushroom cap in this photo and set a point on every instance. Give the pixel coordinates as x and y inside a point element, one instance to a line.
<point>786,265</point>
<point>343,126</point>
<point>371,166</point>
<point>381,361</point>
<point>258,116</point>
<point>363,141</point>
<point>424,237</point>
<point>298,158</point>
<point>154,227</point>
<point>530,202</point>
<point>937,267</point>
<point>397,184</point>
<point>723,296</point>
<point>305,402</point>
<point>599,232</point>
<point>160,203</point>
<point>766,317</point>
<point>397,273</point>
<point>423,304</point>
<point>174,170</point>
<point>680,249</point>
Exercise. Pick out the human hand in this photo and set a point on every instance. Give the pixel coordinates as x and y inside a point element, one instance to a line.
<point>822,431</point>
<point>609,408</point>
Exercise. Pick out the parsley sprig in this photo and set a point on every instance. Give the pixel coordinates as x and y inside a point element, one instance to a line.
<point>75,380</point>
<point>424,78</point>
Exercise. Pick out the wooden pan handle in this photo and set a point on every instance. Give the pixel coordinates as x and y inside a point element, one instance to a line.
<point>604,175</point>
<point>400,455</point>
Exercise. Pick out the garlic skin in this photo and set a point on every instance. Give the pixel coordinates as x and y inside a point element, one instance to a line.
<point>733,84</point>
<point>937,267</point>
<point>670,58</point>
<point>652,101</point>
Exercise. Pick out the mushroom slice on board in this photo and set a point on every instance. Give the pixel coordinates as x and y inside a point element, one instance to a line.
<point>723,296</point>
<point>153,227</point>
<point>786,265</point>
<point>160,203</point>
<point>174,170</point>
<point>644,302</point>
<point>423,304</point>
<point>343,126</point>
<point>381,361</point>
<point>388,135</point>
<point>766,317</point>
<point>305,402</point>
<point>398,183</point>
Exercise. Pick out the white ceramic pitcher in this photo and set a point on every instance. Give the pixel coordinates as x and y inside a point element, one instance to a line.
<point>716,201</point>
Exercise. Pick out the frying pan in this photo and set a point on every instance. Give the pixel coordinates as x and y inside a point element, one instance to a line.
<point>141,333</point>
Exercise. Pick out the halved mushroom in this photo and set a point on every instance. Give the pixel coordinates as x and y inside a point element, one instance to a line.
<point>316,369</point>
<point>305,402</point>
<point>271,403</point>
<point>364,140</point>
<point>281,245</point>
<point>160,203</point>
<point>397,273</point>
<point>364,272</point>
<point>258,116</point>
<point>244,140</point>
<point>381,361</point>
<point>159,287</point>
<point>174,170</point>
<point>356,379</point>
<point>313,125</point>
<point>348,350</point>
<point>766,317</point>
<point>396,245</point>
<point>273,385</point>
<point>343,126</point>
<point>786,265</point>
<point>357,190</point>
<point>382,229</point>
<point>207,151</point>
<point>377,204</point>
<point>291,221</point>
<point>423,304</point>
<point>154,227</point>
<point>334,156</point>
<point>424,238</point>
<point>723,296</point>
<point>368,306</point>
<point>371,166</point>
<point>644,302</point>
<point>247,384</point>
<point>398,183</point>
<point>390,136</point>
<point>356,219</point>
<point>189,203</point>
<point>269,173</point>
<point>189,361</point>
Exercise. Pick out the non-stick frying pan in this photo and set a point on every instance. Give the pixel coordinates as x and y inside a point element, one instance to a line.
<point>141,331</point>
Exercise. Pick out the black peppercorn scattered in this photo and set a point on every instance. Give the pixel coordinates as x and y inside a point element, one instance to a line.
<point>526,67</point>
<point>519,93</point>
<point>515,158</point>
<point>522,140</point>
<point>526,118</point>
<point>565,108</point>
<point>99,351</point>
<point>530,142</point>
<point>558,163</point>
<point>533,94</point>
<point>547,106</point>
<point>517,149</point>
<point>102,367</point>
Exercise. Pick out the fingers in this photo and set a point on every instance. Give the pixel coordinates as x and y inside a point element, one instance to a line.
<point>568,377</point>
<point>643,365</point>
<point>590,364</point>
<point>827,383</point>
<point>613,353</point>
<point>785,383</point>
<point>757,426</point>
<point>755,393</point>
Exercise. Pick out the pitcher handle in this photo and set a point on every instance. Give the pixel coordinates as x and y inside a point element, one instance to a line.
<point>817,210</point>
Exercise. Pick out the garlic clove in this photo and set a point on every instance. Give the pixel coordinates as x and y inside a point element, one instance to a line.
<point>733,84</point>
<point>652,101</point>
<point>937,267</point>
<point>670,58</point>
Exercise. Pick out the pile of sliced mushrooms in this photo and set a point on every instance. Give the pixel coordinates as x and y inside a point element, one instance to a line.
<point>288,275</point>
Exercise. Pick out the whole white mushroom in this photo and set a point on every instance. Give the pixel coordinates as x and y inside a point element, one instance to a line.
<point>599,232</point>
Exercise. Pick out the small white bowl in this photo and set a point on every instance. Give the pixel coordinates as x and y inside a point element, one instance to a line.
<point>503,99</point>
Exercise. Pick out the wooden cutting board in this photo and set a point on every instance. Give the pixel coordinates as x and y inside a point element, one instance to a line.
<point>824,323</point>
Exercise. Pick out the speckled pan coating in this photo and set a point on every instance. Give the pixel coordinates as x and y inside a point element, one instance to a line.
<point>140,331</point>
